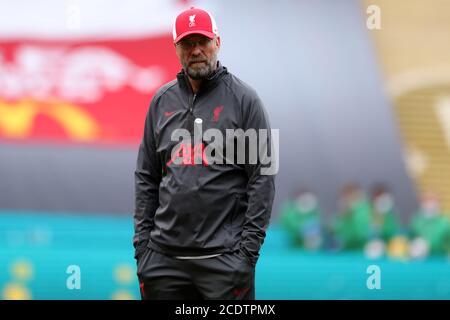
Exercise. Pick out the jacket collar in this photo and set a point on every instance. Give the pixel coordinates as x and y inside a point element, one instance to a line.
<point>207,83</point>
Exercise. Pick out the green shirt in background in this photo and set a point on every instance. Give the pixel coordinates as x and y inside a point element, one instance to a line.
<point>352,227</point>
<point>385,226</point>
<point>434,229</point>
<point>302,226</point>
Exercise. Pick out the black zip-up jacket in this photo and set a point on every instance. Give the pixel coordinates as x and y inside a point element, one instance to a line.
<point>185,209</point>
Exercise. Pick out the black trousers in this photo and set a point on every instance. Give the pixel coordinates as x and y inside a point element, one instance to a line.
<point>229,276</point>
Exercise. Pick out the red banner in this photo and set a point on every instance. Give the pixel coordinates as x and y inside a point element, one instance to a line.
<point>81,91</point>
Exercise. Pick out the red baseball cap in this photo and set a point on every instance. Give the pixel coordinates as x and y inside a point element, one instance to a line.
<point>192,21</point>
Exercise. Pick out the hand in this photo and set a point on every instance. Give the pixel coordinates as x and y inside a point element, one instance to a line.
<point>245,256</point>
<point>140,249</point>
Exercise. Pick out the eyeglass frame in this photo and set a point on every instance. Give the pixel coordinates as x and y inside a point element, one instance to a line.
<point>192,44</point>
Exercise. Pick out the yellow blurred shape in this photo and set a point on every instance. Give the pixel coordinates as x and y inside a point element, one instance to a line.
<point>78,123</point>
<point>22,270</point>
<point>14,291</point>
<point>398,248</point>
<point>123,295</point>
<point>123,274</point>
<point>17,119</point>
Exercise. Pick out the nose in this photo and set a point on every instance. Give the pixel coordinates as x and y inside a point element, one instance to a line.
<point>196,50</point>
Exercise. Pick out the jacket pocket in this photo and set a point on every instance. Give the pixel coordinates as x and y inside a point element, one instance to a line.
<point>141,260</point>
<point>140,249</point>
<point>233,224</point>
<point>245,258</point>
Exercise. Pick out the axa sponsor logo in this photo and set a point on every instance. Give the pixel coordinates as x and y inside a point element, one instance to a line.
<point>186,154</point>
<point>253,147</point>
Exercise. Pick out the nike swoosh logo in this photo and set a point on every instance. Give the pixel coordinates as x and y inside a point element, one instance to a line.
<point>169,113</point>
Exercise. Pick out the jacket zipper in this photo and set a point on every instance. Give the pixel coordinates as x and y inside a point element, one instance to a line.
<point>191,107</point>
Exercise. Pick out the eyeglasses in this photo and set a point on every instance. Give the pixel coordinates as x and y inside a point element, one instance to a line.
<point>188,45</point>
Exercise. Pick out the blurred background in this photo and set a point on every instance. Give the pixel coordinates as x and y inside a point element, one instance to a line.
<point>360,91</point>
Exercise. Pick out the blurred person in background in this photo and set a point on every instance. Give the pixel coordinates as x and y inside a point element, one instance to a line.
<point>429,228</point>
<point>300,217</point>
<point>351,227</point>
<point>199,226</point>
<point>384,224</point>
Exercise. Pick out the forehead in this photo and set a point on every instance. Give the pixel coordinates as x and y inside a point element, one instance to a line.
<point>194,37</point>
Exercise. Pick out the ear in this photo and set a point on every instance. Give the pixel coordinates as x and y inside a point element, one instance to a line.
<point>218,42</point>
<point>178,54</point>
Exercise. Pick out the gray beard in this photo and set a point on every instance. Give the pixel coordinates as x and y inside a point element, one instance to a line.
<point>203,72</point>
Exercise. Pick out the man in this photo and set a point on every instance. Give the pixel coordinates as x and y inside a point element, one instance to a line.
<point>199,224</point>
<point>301,218</point>
<point>430,226</point>
<point>352,226</point>
<point>384,223</point>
